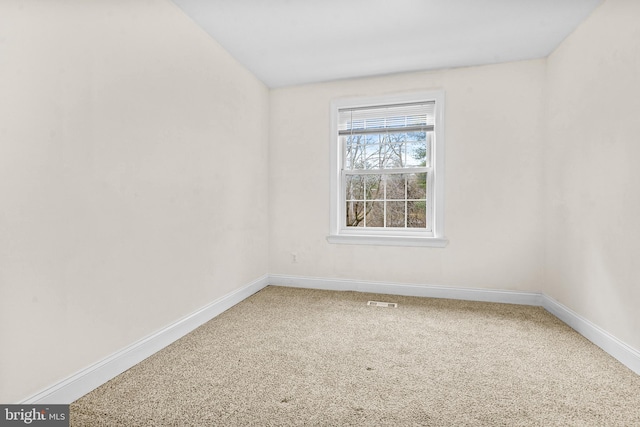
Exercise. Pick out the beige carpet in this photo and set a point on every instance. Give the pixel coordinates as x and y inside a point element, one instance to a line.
<point>305,357</point>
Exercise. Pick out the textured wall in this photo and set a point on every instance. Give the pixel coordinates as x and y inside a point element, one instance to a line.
<point>122,127</point>
<point>493,181</point>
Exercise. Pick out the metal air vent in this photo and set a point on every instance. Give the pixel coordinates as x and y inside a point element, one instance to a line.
<point>383,304</point>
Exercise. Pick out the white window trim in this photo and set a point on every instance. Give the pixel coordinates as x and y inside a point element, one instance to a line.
<point>401,237</point>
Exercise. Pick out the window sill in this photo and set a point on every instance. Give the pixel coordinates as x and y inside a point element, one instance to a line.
<point>350,239</point>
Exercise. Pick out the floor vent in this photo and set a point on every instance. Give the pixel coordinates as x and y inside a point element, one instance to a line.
<point>383,304</point>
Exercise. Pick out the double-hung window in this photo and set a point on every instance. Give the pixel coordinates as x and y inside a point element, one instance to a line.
<point>388,170</point>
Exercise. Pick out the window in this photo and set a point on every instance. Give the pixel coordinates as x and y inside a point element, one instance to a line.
<point>387,170</point>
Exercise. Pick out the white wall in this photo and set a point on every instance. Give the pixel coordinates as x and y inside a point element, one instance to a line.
<point>493,197</point>
<point>593,172</point>
<point>121,126</point>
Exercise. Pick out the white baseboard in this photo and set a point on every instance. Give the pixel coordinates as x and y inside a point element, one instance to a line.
<point>95,375</point>
<point>429,291</point>
<point>88,379</point>
<point>624,353</point>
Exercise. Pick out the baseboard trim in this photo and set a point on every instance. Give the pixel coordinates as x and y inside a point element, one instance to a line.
<point>619,350</point>
<point>429,291</point>
<point>97,374</point>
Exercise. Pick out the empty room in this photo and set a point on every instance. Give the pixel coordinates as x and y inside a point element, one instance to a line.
<point>418,212</point>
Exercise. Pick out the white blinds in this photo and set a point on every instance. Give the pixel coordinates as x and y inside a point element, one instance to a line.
<point>389,118</point>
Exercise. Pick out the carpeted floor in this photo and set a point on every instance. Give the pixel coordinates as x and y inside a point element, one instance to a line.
<point>289,356</point>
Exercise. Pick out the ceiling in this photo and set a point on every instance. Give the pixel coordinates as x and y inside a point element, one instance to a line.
<point>289,42</point>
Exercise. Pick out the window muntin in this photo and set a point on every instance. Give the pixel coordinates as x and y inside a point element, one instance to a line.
<point>388,168</point>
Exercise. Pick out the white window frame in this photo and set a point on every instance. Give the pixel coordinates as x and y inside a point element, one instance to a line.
<point>339,232</point>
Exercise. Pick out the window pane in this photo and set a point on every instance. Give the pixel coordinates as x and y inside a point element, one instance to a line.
<point>393,154</point>
<point>429,145</point>
<point>416,155</point>
<point>355,214</point>
<point>373,187</point>
<point>373,156</point>
<point>354,188</point>
<point>416,148</point>
<point>395,214</point>
<point>417,214</point>
<point>354,155</point>
<point>385,154</point>
<point>416,136</point>
<point>395,186</point>
<point>375,214</point>
<point>417,186</point>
